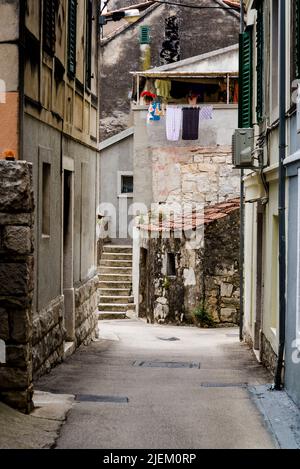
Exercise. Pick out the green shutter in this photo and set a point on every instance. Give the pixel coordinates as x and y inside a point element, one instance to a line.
<point>88,45</point>
<point>144,35</point>
<point>245,80</point>
<point>297,37</point>
<point>72,31</point>
<point>260,61</point>
<point>49,37</point>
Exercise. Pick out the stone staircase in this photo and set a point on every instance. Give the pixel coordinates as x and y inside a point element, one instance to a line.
<point>115,275</point>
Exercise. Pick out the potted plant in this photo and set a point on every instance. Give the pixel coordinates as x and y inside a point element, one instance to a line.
<point>148,97</point>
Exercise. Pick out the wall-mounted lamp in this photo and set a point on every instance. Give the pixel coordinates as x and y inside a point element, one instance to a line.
<point>129,15</point>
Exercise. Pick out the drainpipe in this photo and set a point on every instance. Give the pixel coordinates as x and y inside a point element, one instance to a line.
<point>242,217</point>
<point>21,77</point>
<point>281,198</point>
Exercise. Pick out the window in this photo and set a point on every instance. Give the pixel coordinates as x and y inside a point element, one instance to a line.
<point>46,199</point>
<point>245,87</point>
<point>260,61</point>
<point>144,35</point>
<point>49,36</point>
<point>72,27</point>
<point>88,45</point>
<point>171,265</point>
<point>126,184</point>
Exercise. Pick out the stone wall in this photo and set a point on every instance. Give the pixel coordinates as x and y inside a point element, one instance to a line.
<point>267,355</point>
<point>221,269</point>
<point>48,337</point>
<point>198,174</point>
<point>206,278</point>
<point>16,283</point>
<point>86,307</point>
<point>49,333</point>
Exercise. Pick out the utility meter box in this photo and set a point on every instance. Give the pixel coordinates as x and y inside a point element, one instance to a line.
<point>242,148</point>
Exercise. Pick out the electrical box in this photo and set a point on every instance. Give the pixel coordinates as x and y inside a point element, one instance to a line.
<point>242,148</point>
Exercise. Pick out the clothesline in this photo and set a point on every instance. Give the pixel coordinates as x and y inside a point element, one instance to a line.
<point>185,118</point>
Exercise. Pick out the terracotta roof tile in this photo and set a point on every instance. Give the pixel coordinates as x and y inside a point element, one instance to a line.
<point>191,220</point>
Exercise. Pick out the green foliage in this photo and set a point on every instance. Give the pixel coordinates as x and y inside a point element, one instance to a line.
<point>166,283</point>
<point>203,317</point>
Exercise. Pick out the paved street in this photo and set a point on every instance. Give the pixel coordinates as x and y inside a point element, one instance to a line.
<point>168,406</point>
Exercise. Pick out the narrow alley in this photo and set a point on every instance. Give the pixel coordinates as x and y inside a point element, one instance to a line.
<point>151,386</point>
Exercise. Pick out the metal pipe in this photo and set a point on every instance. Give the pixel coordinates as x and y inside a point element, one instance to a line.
<point>281,196</point>
<point>242,216</point>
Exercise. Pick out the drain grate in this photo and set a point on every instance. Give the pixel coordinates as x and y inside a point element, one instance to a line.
<point>224,385</point>
<point>92,398</point>
<point>146,364</point>
<point>168,339</point>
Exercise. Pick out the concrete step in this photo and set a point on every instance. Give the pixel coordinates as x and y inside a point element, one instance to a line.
<point>114,291</point>
<point>112,284</point>
<point>117,299</point>
<point>111,315</point>
<point>118,307</point>
<point>115,263</point>
<point>115,270</point>
<point>117,248</point>
<point>116,255</point>
<point>106,277</point>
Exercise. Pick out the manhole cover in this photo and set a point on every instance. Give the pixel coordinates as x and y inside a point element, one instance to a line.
<point>146,364</point>
<point>224,385</point>
<point>168,339</point>
<point>92,398</point>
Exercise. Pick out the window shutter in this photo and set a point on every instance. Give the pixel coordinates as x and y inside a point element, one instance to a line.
<point>72,31</point>
<point>245,77</point>
<point>260,61</point>
<point>88,45</point>
<point>144,35</point>
<point>49,35</point>
<point>297,38</point>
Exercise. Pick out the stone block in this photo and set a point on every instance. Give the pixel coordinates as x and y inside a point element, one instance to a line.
<point>18,355</point>
<point>4,325</point>
<point>8,219</point>
<point>16,278</point>
<point>21,326</point>
<point>228,315</point>
<point>226,289</point>
<point>18,239</point>
<point>14,378</point>
<point>16,187</point>
<point>21,400</point>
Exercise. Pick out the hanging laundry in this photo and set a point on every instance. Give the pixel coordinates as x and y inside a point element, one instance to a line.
<point>154,112</point>
<point>163,88</point>
<point>190,125</point>
<point>206,113</point>
<point>173,123</point>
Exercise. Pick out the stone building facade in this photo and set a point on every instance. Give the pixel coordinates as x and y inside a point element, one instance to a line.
<point>174,33</point>
<point>49,63</point>
<point>177,281</point>
<point>193,176</point>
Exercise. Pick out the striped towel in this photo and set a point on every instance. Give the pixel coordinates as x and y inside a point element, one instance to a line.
<point>206,113</point>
